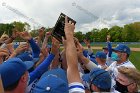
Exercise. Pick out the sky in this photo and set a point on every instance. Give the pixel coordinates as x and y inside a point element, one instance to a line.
<point>88,14</point>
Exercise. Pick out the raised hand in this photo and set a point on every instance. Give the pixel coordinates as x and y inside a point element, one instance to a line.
<point>87,42</point>
<point>69,31</point>
<point>4,54</point>
<point>55,46</point>
<point>69,28</point>
<point>80,50</point>
<point>76,41</point>
<point>25,35</point>
<point>41,31</point>
<point>21,48</point>
<point>108,38</point>
<point>10,47</point>
<point>15,33</point>
<point>48,34</point>
<point>3,50</point>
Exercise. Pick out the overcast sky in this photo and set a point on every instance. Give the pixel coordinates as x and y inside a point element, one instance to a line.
<point>89,14</point>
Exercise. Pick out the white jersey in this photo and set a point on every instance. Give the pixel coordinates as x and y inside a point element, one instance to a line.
<point>76,87</point>
<point>109,61</point>
<point>31,87</point>
<point>102,66</point>
<point>112,69</point>
<point>126,64</point>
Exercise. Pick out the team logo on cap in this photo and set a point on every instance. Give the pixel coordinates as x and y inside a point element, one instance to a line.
<point>125,49</point>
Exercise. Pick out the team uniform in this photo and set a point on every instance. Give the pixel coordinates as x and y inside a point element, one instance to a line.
<point>112,69</point>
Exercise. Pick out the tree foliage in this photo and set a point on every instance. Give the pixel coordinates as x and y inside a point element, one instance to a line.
<point>128,33</point>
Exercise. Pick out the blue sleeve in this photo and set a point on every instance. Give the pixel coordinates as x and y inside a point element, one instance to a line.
<point>85,53</point>
<point>93,60</point>
<point>41,68</point>
<point>109,49</point>
<point>92,55</point>
<point>35,48</point>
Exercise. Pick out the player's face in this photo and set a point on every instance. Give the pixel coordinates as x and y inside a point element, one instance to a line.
<point>120,55</point>
<point>130,84</point>
<point>105,50</point>
<point>122,79</point>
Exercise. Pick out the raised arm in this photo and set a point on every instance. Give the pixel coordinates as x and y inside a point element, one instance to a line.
<point>14,35</point>
<point>75,83</point>
<point>34,46</point>
<point>87,42</point>
<point>41,34</point>
<point>55,62</point>
<point>45,64</point>
<point>109,46</point>
<point>89,64</point>
<point>45,42</point>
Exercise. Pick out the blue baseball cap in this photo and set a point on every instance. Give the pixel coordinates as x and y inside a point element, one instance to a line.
<point>35,60</point>
<point>29,64</point>
<point>52,83</point>
<point>59,72</point>
<point>122,48</point>
<point>98,77</point>
<point>11,71</point>
<point>100,54</point>
<point>25,56</point>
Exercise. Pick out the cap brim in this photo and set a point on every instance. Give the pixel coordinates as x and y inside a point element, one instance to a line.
<point>115,49</point>
<point>105,48</point>
<point>29,64</point>
<point>58,72</point>
<point>86,77</point>
<point>35,60</point>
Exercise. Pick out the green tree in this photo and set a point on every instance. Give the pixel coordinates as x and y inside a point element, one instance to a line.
<point>103,34</point>
<point>79,36</point>
<point>21,26</point>
<point>116,33</point>
<point>6,28</point>
<point>128,34</point>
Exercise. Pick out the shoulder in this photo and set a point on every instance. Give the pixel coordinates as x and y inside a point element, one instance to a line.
<point>128,64</point>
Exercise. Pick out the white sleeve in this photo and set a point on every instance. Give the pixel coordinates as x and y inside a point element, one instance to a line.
<point>109,61</point>
<point>91,65</point>
<point>112,66</point>
<point>81,74</point>
<point>80,68</point>
<point>76,87</point>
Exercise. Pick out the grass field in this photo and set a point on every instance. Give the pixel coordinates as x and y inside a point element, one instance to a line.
<point>135,59</point>
<point>114,45</point>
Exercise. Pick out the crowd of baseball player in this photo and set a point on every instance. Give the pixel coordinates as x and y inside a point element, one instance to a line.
<point>35,66</point>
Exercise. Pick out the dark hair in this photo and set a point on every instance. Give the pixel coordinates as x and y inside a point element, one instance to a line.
<point>104,90</point>
<point>100,89</point>
<point>127,56</point>
<point>12,87</point>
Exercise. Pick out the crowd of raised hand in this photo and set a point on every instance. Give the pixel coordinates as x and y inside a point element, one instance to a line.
<point>34,66</point>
